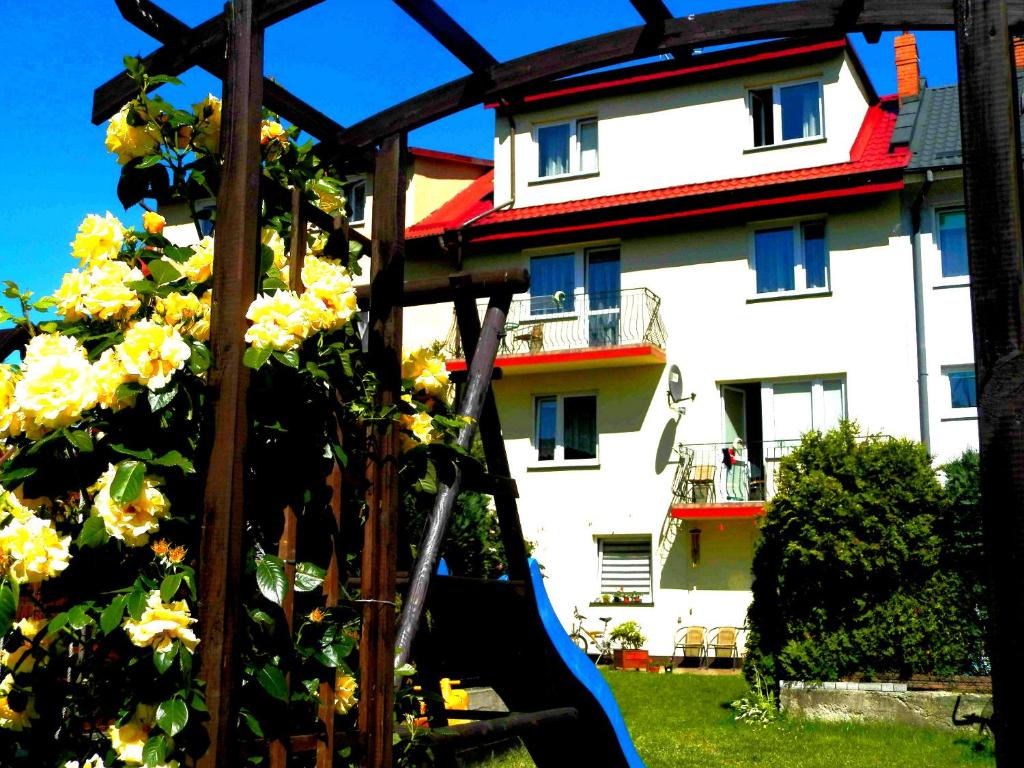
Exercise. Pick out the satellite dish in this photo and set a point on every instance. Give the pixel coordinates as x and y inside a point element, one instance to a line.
<point>675,384</point>
<point>675,388</point>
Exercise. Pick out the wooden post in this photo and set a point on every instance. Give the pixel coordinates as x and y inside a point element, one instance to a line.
<point>387,275</point>
<point>234,287</point>
<point>990,126</point>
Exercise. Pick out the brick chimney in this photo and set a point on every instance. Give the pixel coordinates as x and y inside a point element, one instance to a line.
<point>1018,52</point>
<point>908,67</point>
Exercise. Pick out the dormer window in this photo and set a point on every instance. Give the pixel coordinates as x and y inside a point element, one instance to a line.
<point>786,113</point>
<point>567,148</point>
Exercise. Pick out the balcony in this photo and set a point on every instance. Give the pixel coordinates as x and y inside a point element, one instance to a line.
<point>600,330</point>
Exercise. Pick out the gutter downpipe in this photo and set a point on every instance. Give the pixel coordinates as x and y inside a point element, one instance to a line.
<point>512,190</point>
<point>919,324</point>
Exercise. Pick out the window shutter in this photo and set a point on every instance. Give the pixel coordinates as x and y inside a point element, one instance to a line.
<point>626,565</point>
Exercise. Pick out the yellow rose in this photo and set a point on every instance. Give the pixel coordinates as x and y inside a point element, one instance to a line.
<point>33,549</point>
<point>199,266</point>
<point>14,719</point>
<point>11,505</point>
<point>153,222</point>
<point>101,291</point>
<point>10,416</point>
<point>271,238</point>
<point>280,321</point>
<point>207,130</point>
<point>99,238</point>
<point>427,372</point>
<point>272,131</point>
<point>422,428</point>
<point>161,624</point>
<point>130,521</point>
<point>19,659</point>
<point>93,762</point>
<point>345,687</point>
<point>190,313</point>
<point>129,739</point>
<point>130,141</point>
<point>331,284</point>
<point>151,353</point>
<point>110,375</point>
<point>57,384</point>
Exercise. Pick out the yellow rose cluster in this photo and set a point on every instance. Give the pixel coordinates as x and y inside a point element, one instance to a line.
<point>129,521</point>
<point>206,135</point>
<point>99,238</point>
<point>57,384</point>
<point>100,291</point>
<point>161,624</point>
<point>427,372</point>
<point>283,320</point>
<point>129,739</point>
<point>417,428</point>
<point>344,693</point>
<point>130,141</point>
<point>199,266</point>
<point>10,718</point>
<point>189,313</point>
<point>151,353</point>
<point>20,659</point>
<point>32,549</point>
<point>10,415</point>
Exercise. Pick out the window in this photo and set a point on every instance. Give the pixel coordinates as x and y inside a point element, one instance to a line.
<point>355,201</point>
<point>786,113</point>
<point>963,391</point>
<point>553,284</point>
<point>625,564</point>
<point>953,242</point>
<point>791,258</point>
<point>604,292</point>
<point>566,428</point>
<point>567,148</point>
<point>802,406</point>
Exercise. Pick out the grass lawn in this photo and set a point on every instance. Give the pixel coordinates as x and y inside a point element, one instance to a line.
<point>683,721</point>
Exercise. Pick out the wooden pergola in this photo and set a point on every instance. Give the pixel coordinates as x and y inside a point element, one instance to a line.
<point>230,46</point>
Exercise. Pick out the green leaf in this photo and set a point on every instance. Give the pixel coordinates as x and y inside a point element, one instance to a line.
<point>163,272</point>
<point>163,661</point>
<point>159,79</point>
<point>93,533</point>
<point>172,716</point>
<point>289,358</point>
<point>143,287</point>
<point>137,603</point>
<point>169,586</point>
<point>252,723</point>
<point>80,439</point>
<point>127,483</point>
<point>162,397</point>
<point>174,459</point>
<point>78,616</point>
<point>333,654</point>
<point>155,750</point>
<point>178,254</point>
<point>149,161</point>
<point>111,617</point>
<point>256,357</point>
<point>273,681</point>
<point>308,576</point>
<point>45,303</point>
<point>57,623</point>
<point>146,453</point>
<point>8,608</point>
<point>200,358</point>
<point>270,578</point>
<point>10,477</point>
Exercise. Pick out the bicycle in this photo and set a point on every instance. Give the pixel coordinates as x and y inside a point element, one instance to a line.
<point>585,638</point>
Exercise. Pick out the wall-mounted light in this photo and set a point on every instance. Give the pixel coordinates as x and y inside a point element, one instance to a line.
<point>694,547</point>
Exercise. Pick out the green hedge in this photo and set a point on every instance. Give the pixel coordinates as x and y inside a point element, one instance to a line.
<point>859,568</point>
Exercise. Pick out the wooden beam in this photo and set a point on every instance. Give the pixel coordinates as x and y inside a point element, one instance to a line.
<point>448,33</point>
<point>185,47</point>
<point>222,560</point>
<point>990,127</point>
<point>652,11</point>
<point>473,285</point>
<point>383,499</point>
<point>11,340</point>
<point>786,19</point>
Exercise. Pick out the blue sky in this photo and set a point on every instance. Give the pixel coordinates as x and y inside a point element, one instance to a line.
<point>348,59</point>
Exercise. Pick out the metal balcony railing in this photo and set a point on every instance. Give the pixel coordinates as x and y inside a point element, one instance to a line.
<point>579,321</point>
<point>709,473</point>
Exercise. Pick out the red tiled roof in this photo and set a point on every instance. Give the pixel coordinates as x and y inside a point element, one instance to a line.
<point>870,154</point>
<point>451,157</point>
<point>470,202</point>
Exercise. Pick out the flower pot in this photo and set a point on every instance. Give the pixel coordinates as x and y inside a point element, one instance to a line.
<point>626,658</point>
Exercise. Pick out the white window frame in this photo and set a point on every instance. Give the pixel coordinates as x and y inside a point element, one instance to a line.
<point>796,226</point>
<point>958,414</point>
<point>639,539</point>
<point>575,150</point>
<point>941,281</point>
<point>559,461</point>
<point>817,390</point>
<point>777,140</point>
<point>580,287</point>
<point>347,188</point>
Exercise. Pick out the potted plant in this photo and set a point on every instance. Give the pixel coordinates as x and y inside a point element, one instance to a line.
<point>629,654</point>
<point>606,598</point>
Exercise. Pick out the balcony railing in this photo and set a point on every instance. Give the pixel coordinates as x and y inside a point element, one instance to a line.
<point>710,473</point>
<point>559,323</point>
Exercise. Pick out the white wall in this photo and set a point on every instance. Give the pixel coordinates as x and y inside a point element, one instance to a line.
<point>687,134</point>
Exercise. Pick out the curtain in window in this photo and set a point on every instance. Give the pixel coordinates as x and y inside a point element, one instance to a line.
<point>550,275</point>
<point>801,113</point>
<point>547,425</point>
<point>580,434</point>
<point>792,408</point>
<point>604,278</point>
<point>553,143</point>
<point>814,254</point>
<point>761,112</point>
<point>835,407</point>
<point>587,137</point>
<point>953,243</point>
<point>773,260</point>
<point>963,389</point>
